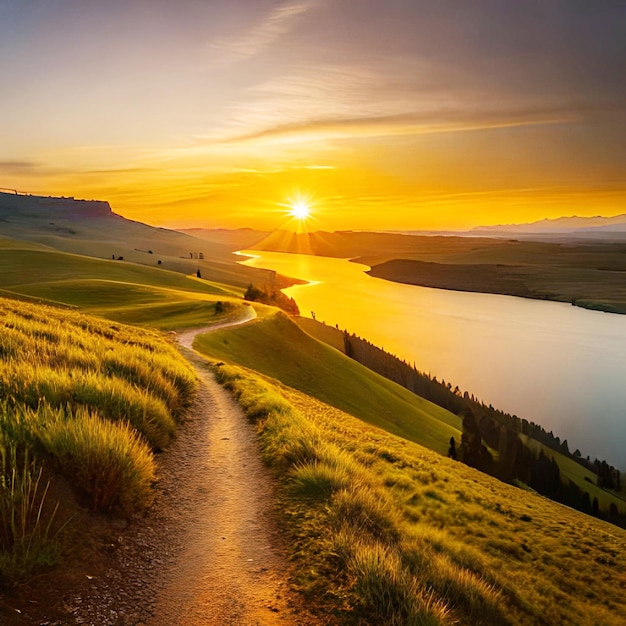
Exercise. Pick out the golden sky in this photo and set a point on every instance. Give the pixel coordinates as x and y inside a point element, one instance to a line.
<point>406,114</point>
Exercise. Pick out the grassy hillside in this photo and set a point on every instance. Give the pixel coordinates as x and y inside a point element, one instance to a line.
<point>118,290</point>
<point>385,531</point>
<point>277,347</point>
<point>570,470</point>
<point>91,228</point>
<point>83,400</point>
<point>20,267</point>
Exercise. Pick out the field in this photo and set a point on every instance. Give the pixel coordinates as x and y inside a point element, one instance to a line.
<point>120,291</point>
<point>389,532</point>
<point>84,401</point>
<point>383,527</point>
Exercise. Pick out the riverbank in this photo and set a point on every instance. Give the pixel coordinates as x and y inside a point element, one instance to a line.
<point>496,346</point>
<point>538,283</point>
<point>588,275</point>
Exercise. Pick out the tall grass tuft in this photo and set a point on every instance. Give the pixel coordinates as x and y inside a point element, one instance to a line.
<point>108,461</point>
<point>388,588</point>
<point>318,480</point>
<point>27,537</point>
<point>367,510</point>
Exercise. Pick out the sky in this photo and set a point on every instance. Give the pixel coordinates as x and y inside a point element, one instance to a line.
<point>395,114</point>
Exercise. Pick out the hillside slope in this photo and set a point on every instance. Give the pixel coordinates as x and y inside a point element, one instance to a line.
<point>91,228</point>
<point>275,346</point>
<point>385,531</point>
<point>86,400</point>
<point>118,290</point>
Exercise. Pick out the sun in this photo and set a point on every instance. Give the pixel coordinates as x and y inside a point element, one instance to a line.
<point>300,210</point>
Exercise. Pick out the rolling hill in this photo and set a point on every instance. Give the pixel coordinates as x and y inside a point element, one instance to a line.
<point>383,528</point>
<point>275,346</point>
<point>91,228</point>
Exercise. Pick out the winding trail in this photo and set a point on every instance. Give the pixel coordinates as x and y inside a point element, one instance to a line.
<point>186,337</point>
<point>209,551</point>
<point>232,568</point>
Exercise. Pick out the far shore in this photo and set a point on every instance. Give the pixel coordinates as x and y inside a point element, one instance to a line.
<point>586,274</point>
<point>484,278</point>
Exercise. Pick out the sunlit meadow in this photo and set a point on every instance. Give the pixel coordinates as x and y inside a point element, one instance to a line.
<point>83,399</point>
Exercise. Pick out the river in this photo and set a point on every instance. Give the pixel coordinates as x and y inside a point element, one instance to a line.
<point>551,363</point>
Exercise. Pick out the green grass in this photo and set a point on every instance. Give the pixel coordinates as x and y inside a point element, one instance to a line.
<point>385,531</point>
<point>119,291</point>
<point>174,315</point>
<point>277,347</point>
<point>84,399</point>
<point>25,270</point>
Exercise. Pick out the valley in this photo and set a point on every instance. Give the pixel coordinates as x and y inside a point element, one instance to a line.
<point>374,518</point>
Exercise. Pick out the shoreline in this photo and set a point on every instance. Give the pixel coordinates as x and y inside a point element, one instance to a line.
<point>486,278</point>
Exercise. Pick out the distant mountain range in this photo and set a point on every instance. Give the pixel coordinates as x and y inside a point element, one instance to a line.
<point>574,225</point>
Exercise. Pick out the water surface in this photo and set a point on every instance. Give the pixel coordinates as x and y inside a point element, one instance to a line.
<point>558,365</point>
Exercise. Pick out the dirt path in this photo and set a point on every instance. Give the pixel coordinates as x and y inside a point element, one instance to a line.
<point>231,567</point>
<point>186,337</point>
<point>208,552</point>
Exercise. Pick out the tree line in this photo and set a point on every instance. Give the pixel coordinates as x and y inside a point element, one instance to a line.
<point>493,441</point>
<point>272,296</point>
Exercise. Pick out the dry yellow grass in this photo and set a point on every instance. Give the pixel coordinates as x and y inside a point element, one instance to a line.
<point>388,531</point>
<point>84,398</point>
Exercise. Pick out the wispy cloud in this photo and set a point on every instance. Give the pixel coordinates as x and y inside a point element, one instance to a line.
<point>319,100</point>
<point>266,32</point>
<point>19,167</point>
<point>32,169</point>
<point>120,170</point>
<point>413,123</point>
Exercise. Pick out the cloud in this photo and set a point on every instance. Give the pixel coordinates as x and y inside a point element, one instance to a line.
<point>266,32</point>
<point>31,169</point>
<point>412,123</point>
<point>19,167</point>
<point>122,170</point>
